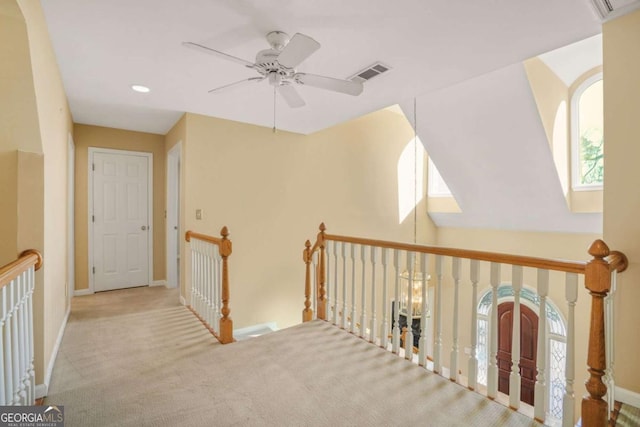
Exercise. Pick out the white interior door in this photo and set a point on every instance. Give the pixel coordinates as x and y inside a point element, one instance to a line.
<point>121,219</point>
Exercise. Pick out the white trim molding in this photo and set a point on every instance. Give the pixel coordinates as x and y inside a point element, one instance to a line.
<point>43,389</point>
<point>627,396</point>
<point>159,283</point>
<point>82,292</point>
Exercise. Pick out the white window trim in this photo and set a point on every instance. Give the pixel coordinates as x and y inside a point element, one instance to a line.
<point>575,149</point>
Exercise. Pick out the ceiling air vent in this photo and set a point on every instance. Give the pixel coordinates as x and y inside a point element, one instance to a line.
<point>369,72</point>
<point>608,9</point>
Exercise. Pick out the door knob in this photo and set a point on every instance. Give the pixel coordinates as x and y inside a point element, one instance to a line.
<point>144,227</point>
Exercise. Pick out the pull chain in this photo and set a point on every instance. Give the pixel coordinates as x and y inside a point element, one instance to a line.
<point>274,109</point>
<point>415,173</point>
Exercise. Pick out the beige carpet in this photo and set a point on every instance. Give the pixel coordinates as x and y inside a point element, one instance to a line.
<point>159,367</point>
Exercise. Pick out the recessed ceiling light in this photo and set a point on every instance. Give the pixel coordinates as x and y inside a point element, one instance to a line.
<point>140,88</point>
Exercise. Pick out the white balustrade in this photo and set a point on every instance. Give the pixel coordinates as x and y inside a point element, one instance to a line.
<point>422,344</point>
<point>17,373</point>
<point>437,349</point>
<point>568,402</point>
<point>455,273</point>
<point>514,378</point>
<point>206,279</point>
<point>384,328</point>
<point>343,254</point>
<point>492,369</point>
<point>609,325</point>
<point>540,393</point>
<point>373,329</point>
<point>374,317</point>
<point>473,359</point>
<point>408,338</point>
<point>353,289</point>
<point>395,340</point>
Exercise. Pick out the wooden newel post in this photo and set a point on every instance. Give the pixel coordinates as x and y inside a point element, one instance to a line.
<point>322,301</point>
<point>307,313</point>
<point>226,324</point>
<point>598,283</point>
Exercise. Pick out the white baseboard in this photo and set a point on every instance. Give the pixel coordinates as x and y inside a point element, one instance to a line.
<point>182,300</point>
<point>43,389</point>
<point>82,292</point>
<point>159,283</point>
<point>627,396</point>
<point>250,329</point>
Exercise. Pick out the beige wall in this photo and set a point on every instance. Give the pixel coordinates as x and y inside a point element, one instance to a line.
<point>621,38</point>
<point>273,190</point>
<point>19,128</point>
<point>35,119</point>
<point>86,136</point>
<point>55,128</point>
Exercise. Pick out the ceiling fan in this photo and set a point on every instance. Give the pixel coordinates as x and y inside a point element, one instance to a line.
<point>278,66</point>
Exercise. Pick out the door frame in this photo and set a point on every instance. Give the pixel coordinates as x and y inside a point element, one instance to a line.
<point>174,166</point>
<point>71,203</point>
<point>149,156</point>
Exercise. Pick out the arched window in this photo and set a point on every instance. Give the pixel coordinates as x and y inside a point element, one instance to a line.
<point>556,356</point>
<point>587,138</point>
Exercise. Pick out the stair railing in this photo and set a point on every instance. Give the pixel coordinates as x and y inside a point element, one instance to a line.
<point>17,374</point>
<point>210,282</point>
<point>343,289</point>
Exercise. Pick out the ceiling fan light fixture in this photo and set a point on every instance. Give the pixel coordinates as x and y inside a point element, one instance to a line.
<point>140,88</point>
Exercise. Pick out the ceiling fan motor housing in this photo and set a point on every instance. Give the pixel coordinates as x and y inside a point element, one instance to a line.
<point>267,62</point>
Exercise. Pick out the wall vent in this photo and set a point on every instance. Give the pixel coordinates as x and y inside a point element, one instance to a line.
<point>369,72</point>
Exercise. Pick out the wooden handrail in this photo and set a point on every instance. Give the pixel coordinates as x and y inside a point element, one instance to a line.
<point>25,260</point>
<point>226,248</point>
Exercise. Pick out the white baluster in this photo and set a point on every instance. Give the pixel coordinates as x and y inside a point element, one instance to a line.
<point>353,289</point>
<point>32,373</point>
<point>540,396</point>
<point>492,368</point>
<point>22,331</point>
<point>408,338</point>
<point>8,342</point>
<point>327,281</point>
<point>514,378</point>
<point>437,351</point>
<point>335,282</point>
<point>363,314</point>
<point>422,343</point>
<point>568,401</point>
<point>3,320</point>
<point>344,286</point>
<point>395,339</point>
<point>453,370</point>
<point>609,343</point>
<point>211,248</point>
<point>384,328</point>
<point>15,345</point>
<point>373,332</point>
<point>473,357</point>
<point>217,288</point>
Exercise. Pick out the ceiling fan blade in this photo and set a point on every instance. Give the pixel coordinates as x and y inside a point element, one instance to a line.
<point>205,49</point>
<point>291,96</point>
<point>252,79</point>
<point>299,48</point>
<point>329,83</point>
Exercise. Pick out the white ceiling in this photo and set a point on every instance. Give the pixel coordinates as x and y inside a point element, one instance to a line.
<point>571,61</point>
<point>105,46</point>
<point>461,60</point>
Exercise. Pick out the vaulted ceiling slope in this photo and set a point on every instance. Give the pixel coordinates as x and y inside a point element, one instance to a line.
<point>103,47</point>
<point>488,142</point>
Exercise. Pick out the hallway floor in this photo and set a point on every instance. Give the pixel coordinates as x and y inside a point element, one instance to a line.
<point>130,357</point>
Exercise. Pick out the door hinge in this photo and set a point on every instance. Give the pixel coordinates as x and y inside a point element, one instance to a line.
<point>93,218</point>
<point>94,270</point>
<point>93,166</point>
